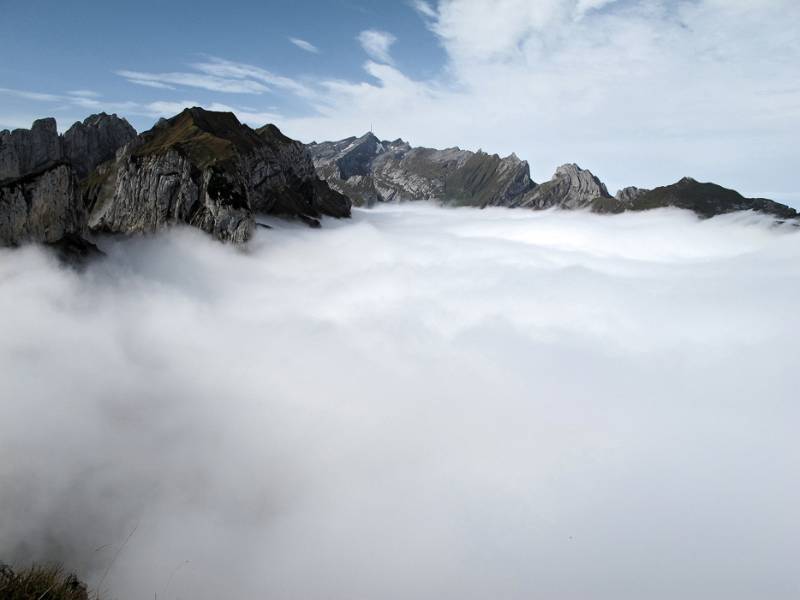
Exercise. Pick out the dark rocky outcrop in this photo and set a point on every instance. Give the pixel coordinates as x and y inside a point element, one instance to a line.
<point>707,200</point>
<point>42,206</point>
<point>95,140</point>
<point>84,145</point>
<point>200,168</point>
<point>25,151</point>
<point>289,184</point>
<point>704,199</point>
<point>208,170</point>
<point>40,199</point>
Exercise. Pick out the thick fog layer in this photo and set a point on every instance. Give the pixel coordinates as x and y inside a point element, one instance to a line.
<point>417,403</point>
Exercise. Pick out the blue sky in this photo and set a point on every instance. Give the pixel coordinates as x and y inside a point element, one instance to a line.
<point>642,92</point>
<point>59,47</point>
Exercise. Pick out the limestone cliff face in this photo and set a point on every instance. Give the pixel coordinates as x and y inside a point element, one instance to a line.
<point>571,187</point>
<point>200,168</point>
<point>208,170</point>
<point>43,206</point>
<point>143,194</point>
<point>84,145</point>
<point>369,171</point>
<point>40,199</point>
<point>25,151</point>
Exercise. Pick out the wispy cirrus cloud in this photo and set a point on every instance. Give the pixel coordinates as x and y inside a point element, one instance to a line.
<point>238,71</point>
<point>304,45</point>
<point>424,8</point>
<point>196,80</point>
<point>84,93</point>
<point>28,95</point>
<point>220,75</point>
<point>377,44</point>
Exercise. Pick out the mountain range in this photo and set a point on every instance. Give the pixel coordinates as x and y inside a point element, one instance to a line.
<point>208,170</point>
<point>369,171</point>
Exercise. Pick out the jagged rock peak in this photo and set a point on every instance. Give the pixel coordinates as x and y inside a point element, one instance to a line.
<point>24,151</point>
<point>570,187</point>
<point>101,117</point>
<point>583,179</point>
<point>271,132</point>
<point>96,140</point>
<point>45,126</point>
<point>84,145</point>
<point>629,194</point>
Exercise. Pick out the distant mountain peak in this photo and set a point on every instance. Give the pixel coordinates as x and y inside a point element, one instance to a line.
<point>370,170</point>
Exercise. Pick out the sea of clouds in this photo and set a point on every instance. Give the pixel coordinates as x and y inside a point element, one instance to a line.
<point>417,403</point>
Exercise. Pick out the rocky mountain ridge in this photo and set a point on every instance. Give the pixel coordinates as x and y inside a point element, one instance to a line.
<point>84,145</point>
<point>201,168</point>
<point>40,170</point>
<point>370,170</point>
<point>208,170</point>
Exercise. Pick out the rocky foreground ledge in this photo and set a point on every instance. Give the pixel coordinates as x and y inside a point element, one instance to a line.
<point>201,168</point>
<point>40,582</point>
<point>207,170</point>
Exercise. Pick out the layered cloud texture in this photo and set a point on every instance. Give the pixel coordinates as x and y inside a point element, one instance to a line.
<point>419,403</point>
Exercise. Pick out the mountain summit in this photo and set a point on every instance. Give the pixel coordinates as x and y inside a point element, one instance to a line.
<point>207,169</point>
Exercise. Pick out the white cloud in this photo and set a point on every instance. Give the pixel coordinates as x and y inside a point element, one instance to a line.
<point>84,93</point>
<point>252,74</point>
<point>28,95</point>
<point>196,80</point>
<point>304,45</point>
<point>417,403</point>
<point>424,8</point>
<point>150,83</point>
<point>585,6</point>
<point>377,44</point>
